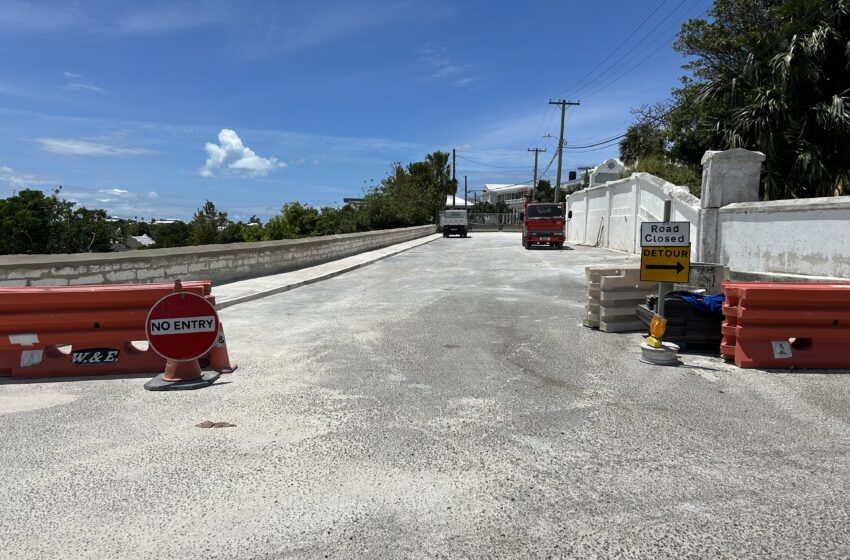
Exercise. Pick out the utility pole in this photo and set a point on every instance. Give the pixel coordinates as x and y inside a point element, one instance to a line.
<point>534,184</point>
<point>563,103</point>
<point>465,195</point>
<point>454,180</point>
<point>586,174</point>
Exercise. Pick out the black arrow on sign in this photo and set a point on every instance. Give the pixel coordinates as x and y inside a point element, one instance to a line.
<point>677,267</point>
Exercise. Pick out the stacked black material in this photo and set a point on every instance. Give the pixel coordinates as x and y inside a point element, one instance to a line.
<point>686,324</point>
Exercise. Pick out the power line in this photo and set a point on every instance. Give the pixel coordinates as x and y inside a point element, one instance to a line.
<point>609,140</point>
<point>632,67</point>
<point>575,92</point>
<point>490,165</point>
<point>610,54</point>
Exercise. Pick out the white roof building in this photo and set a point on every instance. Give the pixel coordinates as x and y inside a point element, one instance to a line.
<point>512,194</point>
<point>608,170</point>
<point>138,241</point>
<point>458,201</point>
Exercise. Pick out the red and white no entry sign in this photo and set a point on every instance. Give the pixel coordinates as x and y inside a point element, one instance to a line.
<point>182,326</point>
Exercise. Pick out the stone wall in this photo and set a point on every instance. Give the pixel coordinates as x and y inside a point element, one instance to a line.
<point>219,263</point>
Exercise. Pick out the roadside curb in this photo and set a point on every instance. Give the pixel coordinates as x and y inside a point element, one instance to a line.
<point>325,276</point>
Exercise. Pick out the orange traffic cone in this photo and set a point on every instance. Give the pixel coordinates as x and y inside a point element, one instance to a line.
<point>181,371</point>
<point>181,376</point>
<point>219,358</point>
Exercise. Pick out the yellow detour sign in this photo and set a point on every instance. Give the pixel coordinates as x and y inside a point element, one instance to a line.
<point>665,264</point>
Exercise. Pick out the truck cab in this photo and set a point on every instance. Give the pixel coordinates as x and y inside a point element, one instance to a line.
<point>543,223</point>
<point>454,222</point>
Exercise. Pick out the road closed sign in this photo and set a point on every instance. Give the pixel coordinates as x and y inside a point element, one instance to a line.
<point>665,251</point>
<point>182,326</point>
<point>665,264</point>
<point>665,234</point>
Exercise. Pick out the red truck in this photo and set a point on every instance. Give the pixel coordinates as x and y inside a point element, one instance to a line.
<point>543,223</point>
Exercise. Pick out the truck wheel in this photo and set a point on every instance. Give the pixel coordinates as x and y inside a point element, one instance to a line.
<point>559,246</point>
<point>527,245</point>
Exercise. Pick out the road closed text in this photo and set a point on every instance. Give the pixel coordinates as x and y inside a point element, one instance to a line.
<point>182,325</point>
<point>665,234</point>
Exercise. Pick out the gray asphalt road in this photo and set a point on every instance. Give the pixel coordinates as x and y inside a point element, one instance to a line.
<point>442,403</point>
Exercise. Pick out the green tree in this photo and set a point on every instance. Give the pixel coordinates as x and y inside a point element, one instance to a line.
<point>544,192</point>
<point>252,231</point>
<point>338,220</point>
<point>206,224</point>
<point>26,222</point>
<point>176,234</point>
<point>772,76</point>
<point>34,223</point>
<point>85,231</point>
<point>643,139</point>
<point>232,233</point>
<point>295,220</point>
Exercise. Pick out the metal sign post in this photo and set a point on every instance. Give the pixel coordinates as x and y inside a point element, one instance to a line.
<point>665,254</point>
<point>663,286</point>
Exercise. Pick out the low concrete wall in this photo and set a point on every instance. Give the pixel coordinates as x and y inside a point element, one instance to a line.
<point>807,237</point>
<point>219,263</point>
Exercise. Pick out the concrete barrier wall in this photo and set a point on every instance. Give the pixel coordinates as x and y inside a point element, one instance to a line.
<point>219,263</point>
<point>610,215</point>
<point>788,237</point>
<point>800,239</point>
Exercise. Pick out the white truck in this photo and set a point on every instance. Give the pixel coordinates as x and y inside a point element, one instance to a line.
<point>453,222</point>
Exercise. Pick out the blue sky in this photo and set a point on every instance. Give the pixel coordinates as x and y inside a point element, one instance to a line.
<point>148,108</point>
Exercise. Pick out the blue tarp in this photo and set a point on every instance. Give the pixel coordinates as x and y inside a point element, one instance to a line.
<point>712,303</point>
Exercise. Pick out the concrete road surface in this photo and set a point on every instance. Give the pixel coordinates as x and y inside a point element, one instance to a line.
<point>441,403</point>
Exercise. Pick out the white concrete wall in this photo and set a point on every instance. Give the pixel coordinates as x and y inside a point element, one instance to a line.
<point>610,215</point>
<point>621,216</point>
<point>776,240</point>
<point>219,263</point>
<point>791,237</point>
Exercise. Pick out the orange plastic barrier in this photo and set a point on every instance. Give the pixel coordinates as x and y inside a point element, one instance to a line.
<point>782,325</point>
<point>86,330</point>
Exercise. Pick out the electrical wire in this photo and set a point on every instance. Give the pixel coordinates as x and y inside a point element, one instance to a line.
<point>610,54</point>
<point>608,141</point>
<point>489,165</point>
<point>635,49</point>
<point>632,67</point>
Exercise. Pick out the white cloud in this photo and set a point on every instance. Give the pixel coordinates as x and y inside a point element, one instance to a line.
<point>153,195</point>
<point>17,179</point>
<point>440,66</point>
<point>232,155</point>
<point>72,75</point>
<point>82,147</point>
<point>115,201</point>
<point>168,18</point>
<point>80,86</point>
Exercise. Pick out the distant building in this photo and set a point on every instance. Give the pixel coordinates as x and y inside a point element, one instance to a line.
<point>458,201</point>
<point>608,170</point>
<point>139,241</point>
<point>512,195</point>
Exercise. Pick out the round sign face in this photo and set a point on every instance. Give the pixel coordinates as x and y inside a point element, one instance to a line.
<point>182,326</point>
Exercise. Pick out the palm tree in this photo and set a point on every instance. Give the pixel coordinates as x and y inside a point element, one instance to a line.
<point>791,100</point>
